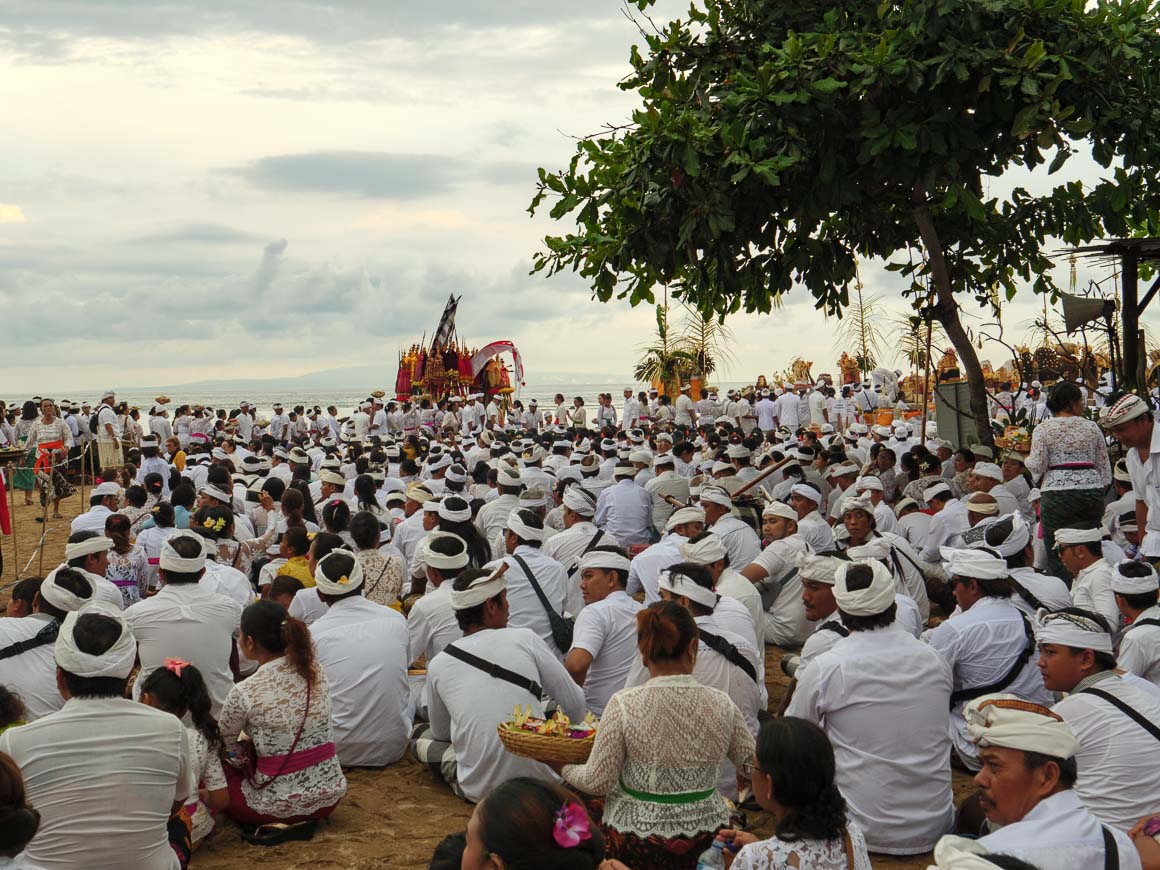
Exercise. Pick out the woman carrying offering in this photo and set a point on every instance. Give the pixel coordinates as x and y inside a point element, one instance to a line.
<point>659,775</point>
<point>286,773</point>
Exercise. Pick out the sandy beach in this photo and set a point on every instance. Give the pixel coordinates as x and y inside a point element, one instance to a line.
<point>391,817</point>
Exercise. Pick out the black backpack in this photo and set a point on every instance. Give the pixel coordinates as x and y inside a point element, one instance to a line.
<point>94,424</point>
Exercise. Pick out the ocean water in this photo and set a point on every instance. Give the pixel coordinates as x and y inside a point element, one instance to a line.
<point>347,400</point>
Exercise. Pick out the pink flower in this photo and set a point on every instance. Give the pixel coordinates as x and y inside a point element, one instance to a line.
<point>571,828</point>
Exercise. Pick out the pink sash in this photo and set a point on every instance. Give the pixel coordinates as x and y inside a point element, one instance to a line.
<point>276,765</point>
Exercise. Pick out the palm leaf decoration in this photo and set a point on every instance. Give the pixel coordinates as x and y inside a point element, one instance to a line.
<point>706,341</point>
<point>910,332</point>
<point>665,360</point>
<point>859,329</point>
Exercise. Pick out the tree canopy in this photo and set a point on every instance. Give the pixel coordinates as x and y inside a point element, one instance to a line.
<point>777,143</point>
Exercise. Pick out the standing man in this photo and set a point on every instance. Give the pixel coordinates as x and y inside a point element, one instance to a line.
<point>1136,586</point>
<point>766,413</point>
<point>630,416</point>
<point>244,421</point>
<point>1131,421</point>
<point>685,411</point>
<point>109,434</point>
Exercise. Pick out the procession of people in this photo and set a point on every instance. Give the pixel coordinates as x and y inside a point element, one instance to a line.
<point>250,606</point>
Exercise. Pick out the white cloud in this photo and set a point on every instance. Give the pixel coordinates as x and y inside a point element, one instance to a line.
<point>11,214</point>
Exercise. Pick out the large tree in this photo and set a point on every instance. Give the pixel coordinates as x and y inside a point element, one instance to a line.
<point>778,142</point>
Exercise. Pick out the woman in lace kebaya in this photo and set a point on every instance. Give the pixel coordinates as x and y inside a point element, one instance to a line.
<point>288,772</point>
<point>658,773</point>
<point>793,781</point>
<point>1069,458</point>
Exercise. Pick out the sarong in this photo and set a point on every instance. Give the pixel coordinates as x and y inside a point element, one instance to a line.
<point>437,755</point>
<point>109,455</point>
<point>656,852</point>
<point>1065,507</point>
<point>241,812</point>
<point>180,832</point>
<point>24,477</point>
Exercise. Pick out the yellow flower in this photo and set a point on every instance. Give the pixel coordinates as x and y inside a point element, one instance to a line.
<point>343,580</point>
<point>207,524</point>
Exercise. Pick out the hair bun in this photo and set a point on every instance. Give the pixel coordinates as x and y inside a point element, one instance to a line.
<point>18,825</point>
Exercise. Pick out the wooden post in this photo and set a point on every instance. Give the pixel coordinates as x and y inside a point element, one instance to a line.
<point>1130,312</point>
<point>12,514</point>
<point>926,379</point>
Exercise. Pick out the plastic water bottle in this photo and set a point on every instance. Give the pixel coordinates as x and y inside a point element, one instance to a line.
<point>712,858</point>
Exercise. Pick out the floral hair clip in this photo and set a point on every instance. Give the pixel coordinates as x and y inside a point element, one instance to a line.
<point>572,826</point>
<point>176,666</point>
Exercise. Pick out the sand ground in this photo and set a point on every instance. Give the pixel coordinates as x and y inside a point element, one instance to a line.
<point>391,817</point>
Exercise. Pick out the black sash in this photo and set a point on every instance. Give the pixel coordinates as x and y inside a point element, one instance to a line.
<point>1008,678</point>
<point>1111,850</point>
<point>591,544</point>
<point>562,627</point>
<point>836,627</point>
<point>1025,594</point>
<point>494,670</point>
<point>1148,621</point>
<point>43,637</point>
<point>1128,710</point>
<point>731,653</point>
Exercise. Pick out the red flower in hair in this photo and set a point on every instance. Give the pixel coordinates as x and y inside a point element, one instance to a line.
<point>572,825</point>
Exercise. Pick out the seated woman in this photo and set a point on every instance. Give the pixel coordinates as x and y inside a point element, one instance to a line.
<point>178,688</point>
<point>286,773</point>
<point>663,808</point>
<point>793,780</point>
<point>529,822</point>
<point>128,563</point>
<point>384,571</point>
<point>218,525</point>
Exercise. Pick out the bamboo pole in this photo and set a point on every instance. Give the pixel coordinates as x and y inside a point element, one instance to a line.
<point>926,381</point>
<point>12,514</point>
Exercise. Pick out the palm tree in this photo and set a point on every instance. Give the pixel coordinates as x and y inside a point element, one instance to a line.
<point>911,344</point>
<point>664,361</point>
<point>706,341</point>
<point>859,329</point>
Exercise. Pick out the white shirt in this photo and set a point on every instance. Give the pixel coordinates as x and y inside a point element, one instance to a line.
<point>625,510</point>
<point>785,621</point>
<point>92,520</point>
<point>566,547</point>
<point>882,697</point>
<point>645,569</point>
<point>766,414</point>
<point>363,648</point>
<point>189,622</point>
<point>431,624</point>
<point>307,606</point>
<point>1118,779</point>
<point>816,532</point>
<point>732,585</point>
<point>1145,476</point>
<point>1139,647</point>
<point>741,542</point>
<point>32,674</point>
<point>913,527</point>
<point>1092,590</point>
<point>981,644</point>
<point>466,705</point>
<point>103,774</point>
<point>606,630</point>
<point>945,525</point>
<point>684,410</point>
<point>788,410</point>
<point>631,414</point>
<point>667,483</point>
<point>493,516</point>
<point>524,607</point>
<point>1051,591</point>
<point>1061,833</point>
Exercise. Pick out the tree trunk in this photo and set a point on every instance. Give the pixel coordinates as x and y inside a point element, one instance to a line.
<point>947,312</point>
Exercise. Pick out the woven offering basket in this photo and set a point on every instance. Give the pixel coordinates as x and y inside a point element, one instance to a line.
<point>545,747</point>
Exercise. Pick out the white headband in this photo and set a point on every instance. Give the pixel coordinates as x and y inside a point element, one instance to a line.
<point>98,544</point>
<point>442,560</point>
<point>975,564</point>
<point>935,490</point>
<point>456,475</point>
<point>857,503</point>
<point>1016,542</point>
<point>170,561</point>
<point>580,501</point>
<point>339,584</point>
<point>986,509</point>
<point>1068,629</point>
<point>681,585</point>
<point>871,601</point>
<point>717,495</point>
<point>806,491</point>
<point>61,598</point>
<point>706,551</point>
<point>869,482</point>
<point>817,569</point>
<point>1079,536</point>
<point>684,515</point>
<point>605,560</point>
<point>1013,723</point>
<point>480,590</point>
<point>779,509</point>
<point>455,516</point>
<point>959,853</point>
<point>1134,585</point>
<point>117,661</point>
<point>521,529</point>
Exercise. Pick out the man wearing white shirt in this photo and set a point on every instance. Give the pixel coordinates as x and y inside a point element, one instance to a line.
<point>883,699</point>
<point>527,568</point>
<point>774,573</point>
<point>431,624</point>
<point>100,756</point>
<point>665,483</point>
<point>1116,780</point>
<point>186,620</point>
<point>630,416</point>
<point>104,499</point>
<point>1027,792</point>
<point>280,424</point>
<point>1082,556</point>
<point>766,411</point>
<point>470,696</point>
<point>625,508</point>
<point>870,487</point>
<point>27,666</point>
<point>805,498</point>
<point>788,410</point>
<point>88,552</point>
<point>604,639</point>
<point>645,570</point>
<point>1135,585</point>
<point>362,647</point>
<point>708,549</point>
<point>579,536</point>
<point>817,399</point>
<point>684,411</point>
<point>244,421</point>
<point>1132,423</point>
<point>492,516</point>
<point>948,521</point>
<point>741,542</point>
<point>988,643</point>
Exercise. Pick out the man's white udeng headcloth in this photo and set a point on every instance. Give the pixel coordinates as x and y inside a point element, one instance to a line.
<point>117,661</point>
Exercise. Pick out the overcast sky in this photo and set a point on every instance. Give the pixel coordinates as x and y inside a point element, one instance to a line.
<point>203,189</point>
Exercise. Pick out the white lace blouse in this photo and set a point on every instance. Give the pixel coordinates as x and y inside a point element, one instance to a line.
<point>775,854</point>
<point>667,737</point>
<point>269,707</point>
<point>1059,444</point>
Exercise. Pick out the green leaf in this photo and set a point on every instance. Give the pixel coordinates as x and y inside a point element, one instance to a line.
<point>827,85</point>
